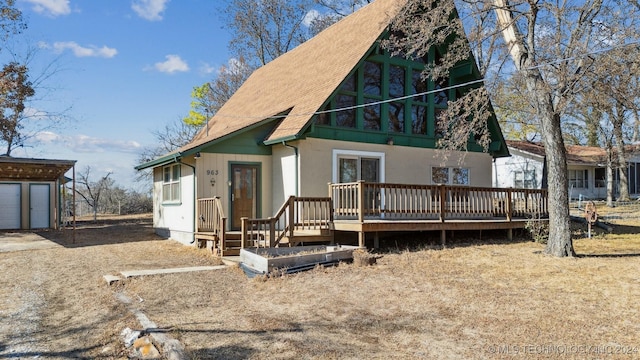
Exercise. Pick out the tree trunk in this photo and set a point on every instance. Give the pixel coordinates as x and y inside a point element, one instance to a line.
<point>622,157</point>
<point>609,175</point>
<point>559,242</point>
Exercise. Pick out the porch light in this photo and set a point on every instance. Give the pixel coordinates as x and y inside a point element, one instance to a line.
<point>213,181</point>
<point>197,155</point>
<point>390,140</point>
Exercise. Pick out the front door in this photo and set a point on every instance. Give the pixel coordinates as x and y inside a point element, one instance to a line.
<point>244,193</point>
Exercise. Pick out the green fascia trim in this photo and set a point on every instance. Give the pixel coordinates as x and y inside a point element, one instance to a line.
<point>286,138</point>
<point>227,146</point>
<point>248,141</point>
<point>161,161</point>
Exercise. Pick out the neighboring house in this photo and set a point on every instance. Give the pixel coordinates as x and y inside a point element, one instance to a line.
<point>587,166</point>
<point>30,192</point>
<point>297,124</point>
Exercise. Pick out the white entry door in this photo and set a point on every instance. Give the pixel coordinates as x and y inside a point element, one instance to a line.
<point>9,206</point>
<point>39,206</point>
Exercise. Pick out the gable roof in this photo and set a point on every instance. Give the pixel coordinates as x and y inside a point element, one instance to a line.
<point>576,154</point>
<point>298,82</point>
<point>27,169</point>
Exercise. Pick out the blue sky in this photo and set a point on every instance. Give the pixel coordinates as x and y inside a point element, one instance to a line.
<point>125,67</point>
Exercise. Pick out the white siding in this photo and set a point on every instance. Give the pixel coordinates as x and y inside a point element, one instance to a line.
<point>174,220</point>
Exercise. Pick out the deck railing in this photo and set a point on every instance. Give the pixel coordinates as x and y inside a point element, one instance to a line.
<point>211,218</point>
<point>403,201</point>
<point>296,214</point>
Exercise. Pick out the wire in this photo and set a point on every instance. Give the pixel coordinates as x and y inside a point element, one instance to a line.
<point>355,106</point>
<point>584,54</point>
<point>421,93</point>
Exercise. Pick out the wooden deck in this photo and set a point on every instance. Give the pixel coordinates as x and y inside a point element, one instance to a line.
<point>376,207</point>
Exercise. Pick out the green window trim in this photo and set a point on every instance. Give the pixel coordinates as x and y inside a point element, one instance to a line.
<point>380,78</point>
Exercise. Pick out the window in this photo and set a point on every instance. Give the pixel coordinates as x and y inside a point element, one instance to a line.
<point>453,176</point>
<point>524,179</point>
<point>359,168</point>
<point>601,177</point>
<point>351,166</point>
<point>578,179</point>
<point>171,183</point>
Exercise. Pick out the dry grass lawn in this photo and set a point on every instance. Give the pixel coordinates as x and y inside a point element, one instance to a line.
<point>474,301</point>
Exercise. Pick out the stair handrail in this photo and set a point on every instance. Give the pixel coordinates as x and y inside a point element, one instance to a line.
<point>288,217</point>
<point>213,217</point>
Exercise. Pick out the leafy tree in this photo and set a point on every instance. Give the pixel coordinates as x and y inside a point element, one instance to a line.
<point>546,43</point>
<point>15,89</point>
<point>209,97</point>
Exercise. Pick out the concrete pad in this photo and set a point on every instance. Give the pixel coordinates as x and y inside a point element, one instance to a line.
<point>110,279</point>
<point>20,241</point>
<point>134,273</point>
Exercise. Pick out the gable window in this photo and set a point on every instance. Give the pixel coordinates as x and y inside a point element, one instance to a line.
<point>450,175</point>
<point>171,183</point>
<point>578,179</point>
<point>392,90</point>
<point>525,179</point>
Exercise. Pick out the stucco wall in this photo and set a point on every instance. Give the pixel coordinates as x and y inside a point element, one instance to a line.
<point>405,165</point>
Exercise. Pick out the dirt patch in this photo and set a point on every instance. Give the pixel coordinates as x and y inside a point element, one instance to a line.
<point>54,302</point>
<point>479,300</point>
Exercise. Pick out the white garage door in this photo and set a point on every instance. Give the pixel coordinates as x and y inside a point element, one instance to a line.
<point>39,201</point>
<point>9,206</point>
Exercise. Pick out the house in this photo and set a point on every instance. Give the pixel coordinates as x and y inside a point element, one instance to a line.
<point>30,192</point>
<point>587,166</point>
<point>299,123</point>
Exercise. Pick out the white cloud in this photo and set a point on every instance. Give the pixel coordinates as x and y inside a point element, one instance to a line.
<point>80,51</point>
<point>309,17</point>
<point>172,65</point>
<point>149,9</point>
<point>50,7</point>
<point>206,69</point>
<point>88,144</point>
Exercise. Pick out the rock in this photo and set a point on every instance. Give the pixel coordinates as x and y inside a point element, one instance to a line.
<point>129,336</point>
<point>144,349</point>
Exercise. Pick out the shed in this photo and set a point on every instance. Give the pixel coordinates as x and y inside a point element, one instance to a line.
<point>31,194</point>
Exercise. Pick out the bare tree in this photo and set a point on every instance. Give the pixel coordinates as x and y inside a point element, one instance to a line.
<point>208,98</point>
<point>547,43</point>
<point>91,191</point>
<point>264,30</point>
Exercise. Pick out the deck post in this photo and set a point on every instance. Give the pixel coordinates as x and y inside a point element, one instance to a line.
<point>243,230</point>
<point>376,240</point>
<point>443,238</point>
<point>510,234</point>
<point>509,207</point>
<point>443,195</point>
<point>272,231</point>
<point>361,201</point>
<point>361,239</point>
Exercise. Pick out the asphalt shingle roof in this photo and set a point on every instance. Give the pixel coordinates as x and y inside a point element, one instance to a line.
<point>300,81</point>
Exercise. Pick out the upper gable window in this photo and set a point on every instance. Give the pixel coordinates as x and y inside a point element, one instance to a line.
<point>372,78</point>
<point>386,95</point>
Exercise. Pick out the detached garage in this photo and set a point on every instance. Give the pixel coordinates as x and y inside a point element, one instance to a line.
<point>30,192</point>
